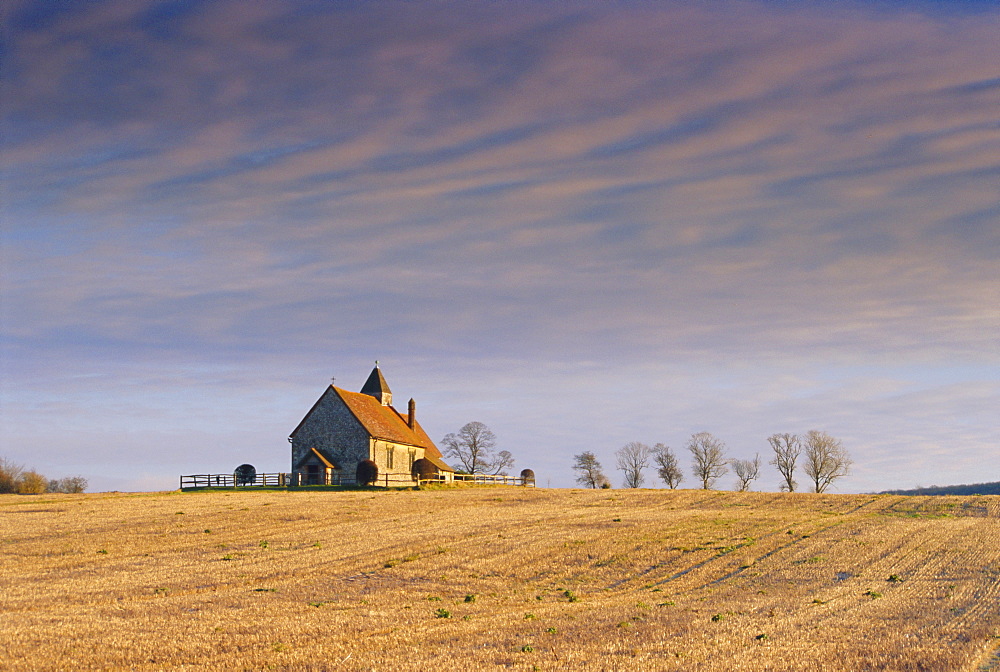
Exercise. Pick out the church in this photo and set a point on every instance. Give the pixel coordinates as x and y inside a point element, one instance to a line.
<point>347,433</point>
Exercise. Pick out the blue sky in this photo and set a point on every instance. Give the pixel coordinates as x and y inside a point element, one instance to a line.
<point>582,223</point>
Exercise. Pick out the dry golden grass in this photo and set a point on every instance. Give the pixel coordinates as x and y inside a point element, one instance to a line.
<point>499,577</point>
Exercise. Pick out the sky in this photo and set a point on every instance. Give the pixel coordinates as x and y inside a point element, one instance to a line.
<point>581,223</point>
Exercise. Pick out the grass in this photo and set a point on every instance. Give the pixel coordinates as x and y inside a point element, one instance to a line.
<point>424,579</point>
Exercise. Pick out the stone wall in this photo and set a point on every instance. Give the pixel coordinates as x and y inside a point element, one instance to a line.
<point>333,429</point>
<point>401,460</point>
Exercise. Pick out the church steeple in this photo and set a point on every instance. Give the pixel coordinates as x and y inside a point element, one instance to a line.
<point>376,387</point>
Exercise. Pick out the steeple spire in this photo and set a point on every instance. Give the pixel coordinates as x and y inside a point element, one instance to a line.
<point>376,387</point>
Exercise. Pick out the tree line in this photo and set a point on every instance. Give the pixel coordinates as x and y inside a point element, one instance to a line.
<point>14,478</point>
<point>823,460</point>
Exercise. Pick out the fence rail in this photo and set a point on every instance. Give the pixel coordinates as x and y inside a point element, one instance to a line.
<point>295,479</point>
<point>495,479</point>
<point>232,480</point>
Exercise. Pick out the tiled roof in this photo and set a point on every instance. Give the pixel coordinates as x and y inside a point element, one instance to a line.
<point>437,462</point>
<point>388,424</point>
<point>317,453</point>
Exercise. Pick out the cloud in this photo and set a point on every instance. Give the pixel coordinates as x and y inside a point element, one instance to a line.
<point>269,185</point>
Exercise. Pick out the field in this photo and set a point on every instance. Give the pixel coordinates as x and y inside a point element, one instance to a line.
<point>499,577</point>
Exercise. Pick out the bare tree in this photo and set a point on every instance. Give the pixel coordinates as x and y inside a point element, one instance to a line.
<point>825,459</point>
<point>709,458</point>
<point>746,472</point>
<point>475,449</point>
<point>667,466</point>
<point>787,449</point>
<point>632,458</point>
<point>590,474</point>
<point>70,484</point>
<point>10,475</point>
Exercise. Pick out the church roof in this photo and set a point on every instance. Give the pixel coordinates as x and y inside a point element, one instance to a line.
<point>438,461</point>
<point>373,409</point>
<point>314,452</point>
<point>388,424</point>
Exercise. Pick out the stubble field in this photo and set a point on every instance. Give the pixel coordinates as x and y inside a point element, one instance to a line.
<point>499,577</point>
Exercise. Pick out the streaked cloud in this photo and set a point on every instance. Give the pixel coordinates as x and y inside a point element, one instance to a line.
<point>590,189</point>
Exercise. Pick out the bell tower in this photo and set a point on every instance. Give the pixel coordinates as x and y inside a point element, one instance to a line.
<point>376,387</point>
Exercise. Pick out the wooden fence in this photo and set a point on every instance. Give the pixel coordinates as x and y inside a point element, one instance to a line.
<point>295,479</point>
<point>493,479</point>
<point>231,481</point>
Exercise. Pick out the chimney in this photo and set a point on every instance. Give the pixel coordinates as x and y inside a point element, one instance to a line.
<point>411,419</point>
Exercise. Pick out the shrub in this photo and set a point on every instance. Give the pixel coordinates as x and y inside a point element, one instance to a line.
<point>32,483</point>
<point>14,479</point>
<point>245,474</point>
<point>527,477</point>
<point>424,470</point>
<point>367,473</point>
